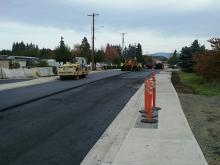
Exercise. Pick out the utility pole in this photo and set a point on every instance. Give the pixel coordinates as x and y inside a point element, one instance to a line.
<point>123,41</point>
<point>93,38</point>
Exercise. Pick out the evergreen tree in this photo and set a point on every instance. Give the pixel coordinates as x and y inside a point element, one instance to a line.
<point>139,53</point>
<point>5,52</point>
<point>20,49</point>
<point>134,51</point>
<point>85,49</point>
<point>186,57</point>
<point>46,53</point>
<point>62,52</point>
<point>99,56</point>
<point>173,60</point>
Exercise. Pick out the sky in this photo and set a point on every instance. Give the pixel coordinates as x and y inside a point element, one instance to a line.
<point>158,25</point>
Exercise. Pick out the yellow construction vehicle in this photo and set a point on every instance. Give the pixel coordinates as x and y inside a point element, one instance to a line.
<point>72,71</point>
<point>131,65</point>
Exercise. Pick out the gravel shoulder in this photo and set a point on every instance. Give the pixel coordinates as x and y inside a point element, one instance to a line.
<point>203,115</point>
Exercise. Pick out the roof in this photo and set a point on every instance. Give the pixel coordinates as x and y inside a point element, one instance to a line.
<point>23,57</point>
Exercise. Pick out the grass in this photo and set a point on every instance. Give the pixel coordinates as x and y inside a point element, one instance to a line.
<point>199,85</point>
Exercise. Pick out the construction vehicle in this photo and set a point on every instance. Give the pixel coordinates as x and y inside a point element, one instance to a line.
<point>75,70</point>
<point>131,65</point>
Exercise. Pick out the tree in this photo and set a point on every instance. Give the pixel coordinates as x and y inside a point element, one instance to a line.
<point>139,53</point>
<point>85,49</point>
<point>5,52</point>
<point>62,52</point>
<point>134,51</point>
<point>148,61</point>
<point>99,56</point>
<point>112,52</point>
<point>208,65</point>
<point>196,48</point>
<point>186,57</point>
<point>215,43</point>
<point>173,60</point>
<point>21,49</point>
<point>76,52</point>
<point>46,53</point>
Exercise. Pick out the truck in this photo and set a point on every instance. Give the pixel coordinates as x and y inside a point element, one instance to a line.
<point>72,70</point>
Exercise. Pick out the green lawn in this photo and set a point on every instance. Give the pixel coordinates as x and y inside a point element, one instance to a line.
<point>199,85</point>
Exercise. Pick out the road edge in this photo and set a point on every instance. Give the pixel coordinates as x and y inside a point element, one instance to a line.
<point>108,145</point>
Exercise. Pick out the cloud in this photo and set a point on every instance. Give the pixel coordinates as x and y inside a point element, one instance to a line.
<point>146,4</point>
<point>154,19</point>
<point>48,37</point>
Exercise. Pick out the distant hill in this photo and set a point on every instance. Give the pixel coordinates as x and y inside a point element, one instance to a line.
<point>161,58</point>
<point>164,54</point>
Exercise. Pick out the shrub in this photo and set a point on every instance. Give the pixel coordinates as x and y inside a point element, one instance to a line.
<point>14,65</point>
<point>208,65</point>
<point>41,64</point>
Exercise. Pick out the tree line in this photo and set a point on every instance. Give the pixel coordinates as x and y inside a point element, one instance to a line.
<point>63,53</point>
<point>196,58</point>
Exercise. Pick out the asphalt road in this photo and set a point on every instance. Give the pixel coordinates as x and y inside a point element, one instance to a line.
<point>6,81</point>
<point>61,129</point>
<point>34,92</point>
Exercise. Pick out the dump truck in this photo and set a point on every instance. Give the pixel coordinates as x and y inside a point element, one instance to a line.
<point>70,71</point>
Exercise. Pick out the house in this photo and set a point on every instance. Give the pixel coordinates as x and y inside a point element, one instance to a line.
<point>23,61</point>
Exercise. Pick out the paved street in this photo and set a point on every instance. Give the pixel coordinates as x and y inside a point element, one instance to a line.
<point>62,128</point>
<point>6,81</point>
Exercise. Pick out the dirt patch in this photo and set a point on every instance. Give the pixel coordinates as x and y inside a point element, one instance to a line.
<point>203,115</point>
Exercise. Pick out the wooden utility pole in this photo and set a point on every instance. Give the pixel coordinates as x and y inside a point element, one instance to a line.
<point>93,38</point>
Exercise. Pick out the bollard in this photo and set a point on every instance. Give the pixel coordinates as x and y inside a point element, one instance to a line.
<point>149,101</point>
<point>149,94</point>
<point>144,110</point>
<point>154,90</point>
<point>145,97</point>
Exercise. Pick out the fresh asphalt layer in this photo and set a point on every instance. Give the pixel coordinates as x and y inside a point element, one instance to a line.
<point>31,93</point>
<point>62,128</point>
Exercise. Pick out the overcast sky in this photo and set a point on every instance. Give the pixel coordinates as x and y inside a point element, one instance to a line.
<point>159,25</point>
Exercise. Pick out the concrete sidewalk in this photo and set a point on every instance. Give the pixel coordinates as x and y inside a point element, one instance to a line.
<point>127,141</point>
